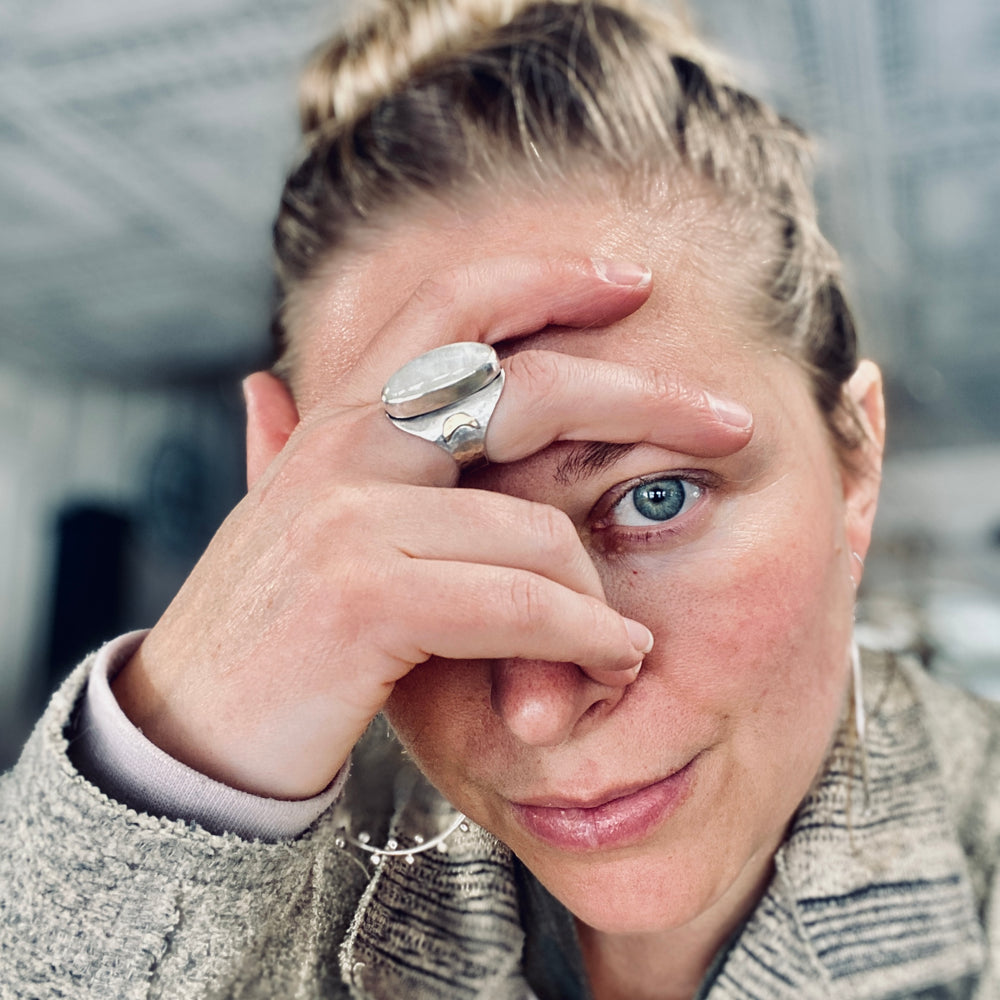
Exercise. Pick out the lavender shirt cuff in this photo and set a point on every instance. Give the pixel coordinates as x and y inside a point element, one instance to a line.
<point>115,756</point>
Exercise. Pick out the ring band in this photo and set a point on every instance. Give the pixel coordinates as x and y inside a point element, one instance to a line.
<point>447,397</point>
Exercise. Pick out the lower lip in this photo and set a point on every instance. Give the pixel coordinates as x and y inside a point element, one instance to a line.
<point>618,823</point>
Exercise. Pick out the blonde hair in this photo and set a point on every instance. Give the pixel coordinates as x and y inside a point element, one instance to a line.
<point>427,96</point>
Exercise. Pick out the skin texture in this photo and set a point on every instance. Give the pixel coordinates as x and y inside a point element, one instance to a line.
<point>526,689</point>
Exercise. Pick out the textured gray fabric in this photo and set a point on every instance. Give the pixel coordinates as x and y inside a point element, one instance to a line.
<point>100,902</point>
<point>888,894</point>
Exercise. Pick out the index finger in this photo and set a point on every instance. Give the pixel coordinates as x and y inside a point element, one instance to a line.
<point>493,299</point>
<point>549,396</point>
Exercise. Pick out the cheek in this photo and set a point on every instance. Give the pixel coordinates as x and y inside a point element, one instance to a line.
<point>750,619</point>
<point>437,713</point>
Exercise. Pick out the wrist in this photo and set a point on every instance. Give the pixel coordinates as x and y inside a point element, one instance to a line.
<point>245,749</point>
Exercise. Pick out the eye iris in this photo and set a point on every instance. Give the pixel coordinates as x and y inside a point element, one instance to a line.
<point>661,500</point>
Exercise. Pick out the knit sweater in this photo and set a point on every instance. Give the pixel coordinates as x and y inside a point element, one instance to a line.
<point>883,889</point>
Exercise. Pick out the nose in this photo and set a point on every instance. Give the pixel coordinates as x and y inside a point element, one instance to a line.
<point>543,703</point>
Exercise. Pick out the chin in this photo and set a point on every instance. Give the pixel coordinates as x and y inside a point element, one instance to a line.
<point>638,894</point>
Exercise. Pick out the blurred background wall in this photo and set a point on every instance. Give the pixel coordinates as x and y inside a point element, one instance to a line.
<point>142,148</point>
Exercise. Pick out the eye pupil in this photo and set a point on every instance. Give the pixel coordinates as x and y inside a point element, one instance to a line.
<point>660,500</point>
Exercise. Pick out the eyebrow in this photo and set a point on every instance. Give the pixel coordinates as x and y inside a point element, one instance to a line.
<point>589,459</point>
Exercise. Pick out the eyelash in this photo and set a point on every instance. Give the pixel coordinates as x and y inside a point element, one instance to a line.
<point>698,483</point>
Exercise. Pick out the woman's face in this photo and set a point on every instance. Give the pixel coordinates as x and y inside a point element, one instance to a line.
<point>650,809</point>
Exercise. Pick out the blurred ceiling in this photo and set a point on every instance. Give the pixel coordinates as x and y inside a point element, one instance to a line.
<point>142,147</point>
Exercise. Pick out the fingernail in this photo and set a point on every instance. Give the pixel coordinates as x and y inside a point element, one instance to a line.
<point>639,636</point>
<point>729,412</point>
<point>623,272</point>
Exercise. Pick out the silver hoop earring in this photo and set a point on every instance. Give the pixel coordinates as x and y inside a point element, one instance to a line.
<point>860,719</point>
<point>861,563</point>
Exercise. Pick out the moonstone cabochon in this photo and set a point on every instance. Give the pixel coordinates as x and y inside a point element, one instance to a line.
<point>439,378</point>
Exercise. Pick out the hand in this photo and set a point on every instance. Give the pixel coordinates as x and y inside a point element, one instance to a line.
<point>327,583</point>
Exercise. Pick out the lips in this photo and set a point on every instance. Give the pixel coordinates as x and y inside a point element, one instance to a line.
<point>612,819</point>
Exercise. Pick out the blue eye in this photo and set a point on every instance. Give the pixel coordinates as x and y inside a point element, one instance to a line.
<point>655,501</point>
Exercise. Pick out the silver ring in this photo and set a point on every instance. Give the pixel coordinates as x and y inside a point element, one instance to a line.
<point>447,397</point>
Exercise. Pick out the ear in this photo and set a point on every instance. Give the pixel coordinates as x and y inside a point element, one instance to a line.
<point>863,477</point>
<point>271,418</point>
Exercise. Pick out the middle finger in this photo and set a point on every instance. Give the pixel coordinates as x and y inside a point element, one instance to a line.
<point>550,396</point>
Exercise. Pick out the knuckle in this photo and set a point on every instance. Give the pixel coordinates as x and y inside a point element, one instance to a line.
<point>667,387</point>
<point>553,531</point>
<point>527,601</point>
<point>437,293</point>
<point>538,371</point>
<point>617,652</point>
<point>557,269</point>
<point>596,621</point>
<point>663,385</point>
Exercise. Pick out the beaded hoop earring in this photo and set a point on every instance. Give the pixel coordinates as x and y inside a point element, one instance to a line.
<point>392,849</point>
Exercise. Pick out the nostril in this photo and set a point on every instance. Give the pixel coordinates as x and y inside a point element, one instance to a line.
<point>599,707</point>
<point>541,702</point>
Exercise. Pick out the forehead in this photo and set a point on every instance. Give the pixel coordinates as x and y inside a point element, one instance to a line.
<point>702,299</point>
